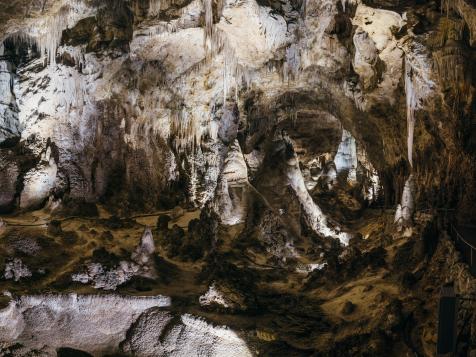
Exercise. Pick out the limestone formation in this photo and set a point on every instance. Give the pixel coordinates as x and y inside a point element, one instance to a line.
<point>16,270</point>
<point>142,264</point>
<point>292,168</point>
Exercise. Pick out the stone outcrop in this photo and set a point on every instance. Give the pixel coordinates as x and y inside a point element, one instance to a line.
<point>16,270</point>
<point>112,323</point>
<point>142,264</point>
<point>95,323</point>
<point>156,333</point>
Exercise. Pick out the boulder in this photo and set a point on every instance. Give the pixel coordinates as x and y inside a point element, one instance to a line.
<point>16,270</point>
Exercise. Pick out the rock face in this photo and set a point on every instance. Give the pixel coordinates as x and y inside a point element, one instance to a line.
<point>39,182</point>
<point>8,180</point>
<point>10,125</point>
<point>89,323</point>
<point>99,324</point>
<point>156,334</point>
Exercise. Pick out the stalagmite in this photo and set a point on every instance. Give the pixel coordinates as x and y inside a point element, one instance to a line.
<point>109,278</point>
<point>346,157</point>
<point>316,218</point>
<point>371,187</point>
<point>405,210</point>
<point>230,196</point>
<point>39,182</point>
<point>408,205</point>
<point>214,296</point>
<point>16,270</point>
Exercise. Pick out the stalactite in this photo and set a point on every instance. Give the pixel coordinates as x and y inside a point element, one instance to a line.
<point>186,130</point>
<point>234,74</point>
<point>303,9</point>
<point>193,180</point>
<point>47,35</point>
<point>154,7</point>
<point>448,29</point>
<point>49,42</point>
<point>445,6</point>
<point>451,61</point>
<point>412,104</point>
<point>21,38</point>
<point>208,14</point>
<point>76,52</point>
<point>292,65</point>
<point>413,91</point>
<point>272,28</point>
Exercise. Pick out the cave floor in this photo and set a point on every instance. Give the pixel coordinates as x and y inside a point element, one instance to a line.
<point>301,309</point>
